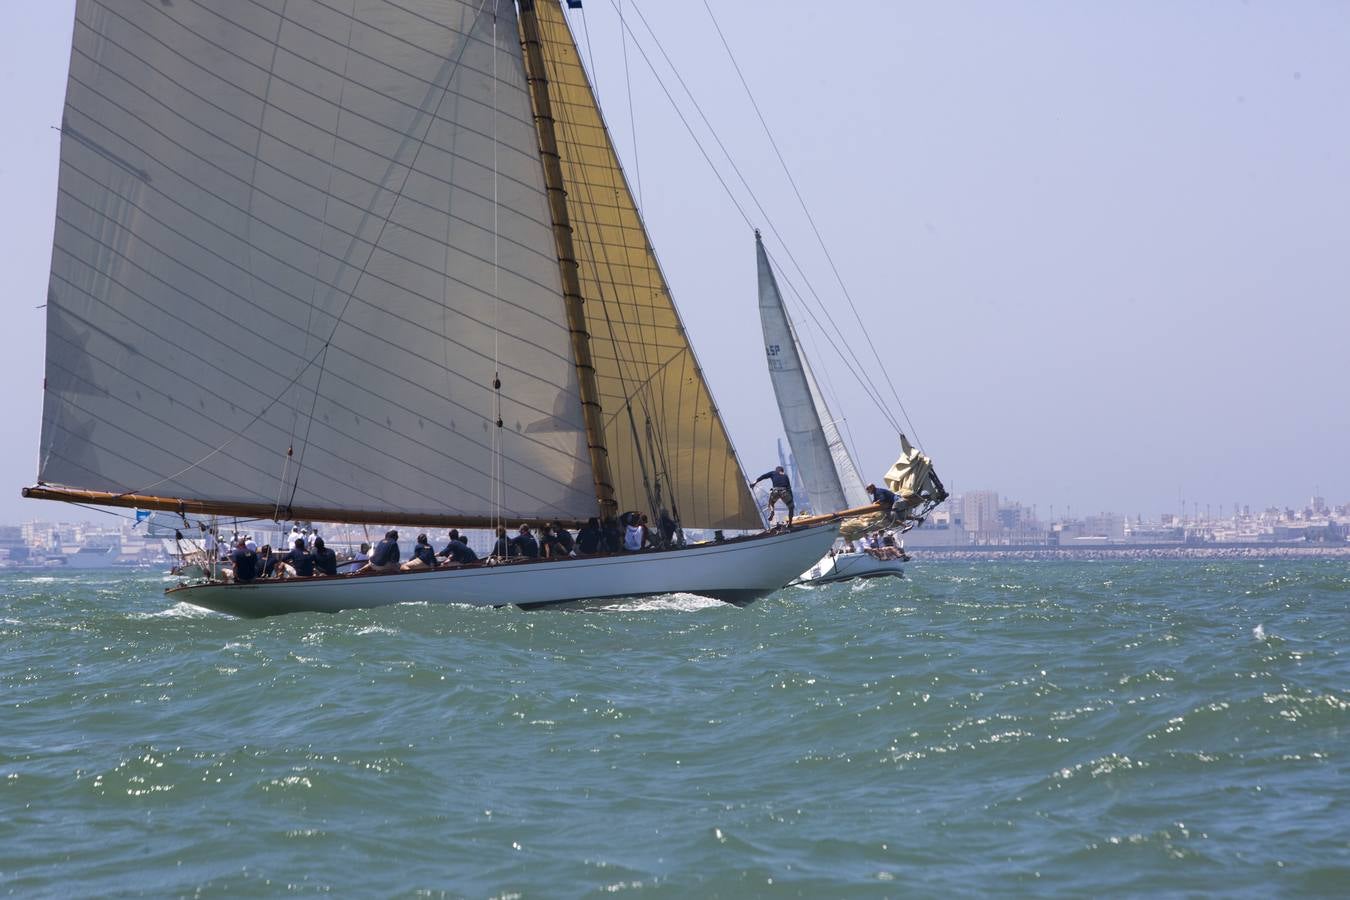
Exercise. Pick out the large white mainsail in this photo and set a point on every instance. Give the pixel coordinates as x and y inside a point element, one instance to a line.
<point>823,460</point>
<point>276,233</point>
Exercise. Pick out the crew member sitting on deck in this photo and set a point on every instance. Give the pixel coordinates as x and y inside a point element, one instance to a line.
<point>781,489</point>
<point>267,562</point>
<point>612,534</point>
<point>524,544</point>
<point>557,541</point>
<point>502,548</point>
<point>384,558</point>
<point>301,560</point>
<point>245,563</point>
<point>636,536</point>
<point>325,560</point>
<point>423,556</point>
<point>589,538</point>
<point>456,551</point>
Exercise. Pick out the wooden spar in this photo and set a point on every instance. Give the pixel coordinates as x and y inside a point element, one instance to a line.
<point>537,78</point>
<point>838,514</point>
<point>243,510</point>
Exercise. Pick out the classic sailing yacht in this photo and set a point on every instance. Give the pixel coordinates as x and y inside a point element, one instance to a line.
<point>374,263</point>
<point>823,459</point>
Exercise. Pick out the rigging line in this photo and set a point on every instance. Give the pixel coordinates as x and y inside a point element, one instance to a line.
<point>338,319</point>
<point>688,356</point>
<point>637,162</point>
<point>869,389</point>
<point>645,393</point>
<point>744,182</point>
<point>811,220</point>
<point>374,245</point>
<point>314,290</point>
<point>252,194</point>
<point>632,117</point>
<point>832,400</point>
<point>497,488</point>
<point>870,392</point>
<point>586,196</point>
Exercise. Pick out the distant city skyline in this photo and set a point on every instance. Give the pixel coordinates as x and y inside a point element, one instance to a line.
<point>1099,247</point>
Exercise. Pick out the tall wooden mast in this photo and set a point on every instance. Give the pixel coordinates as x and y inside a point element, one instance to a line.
<point>573,302</point>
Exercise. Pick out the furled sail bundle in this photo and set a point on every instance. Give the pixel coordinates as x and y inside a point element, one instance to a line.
<point>306,266</point>
<point>914,481</point>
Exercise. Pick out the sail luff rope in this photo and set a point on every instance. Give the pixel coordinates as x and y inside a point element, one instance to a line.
<point>497,488</point>
<point>644,392</point>
<point>586,197</point>
<point>252,278</point>
<point>318,259</point>
<point>341,313</point>
<point>653,494</point>
<point>637,179</point>
<point>811,219</point>
<point>877,401</point>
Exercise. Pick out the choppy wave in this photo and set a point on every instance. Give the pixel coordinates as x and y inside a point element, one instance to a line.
<point>1119,727</point>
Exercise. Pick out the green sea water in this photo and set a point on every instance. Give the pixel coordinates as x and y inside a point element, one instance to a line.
<point>1161,728</point>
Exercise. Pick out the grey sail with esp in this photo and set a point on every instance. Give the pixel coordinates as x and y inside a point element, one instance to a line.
<point>823,460</point>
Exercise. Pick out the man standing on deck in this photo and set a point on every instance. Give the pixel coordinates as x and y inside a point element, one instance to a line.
<point>781,489</point>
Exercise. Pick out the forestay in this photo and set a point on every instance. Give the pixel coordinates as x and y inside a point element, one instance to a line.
<point>276,234</point>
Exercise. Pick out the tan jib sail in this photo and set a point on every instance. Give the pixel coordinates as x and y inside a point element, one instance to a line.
<point>660,423</point>
<point>295,242</point>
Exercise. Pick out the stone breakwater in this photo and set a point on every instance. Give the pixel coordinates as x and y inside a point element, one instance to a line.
<point>1127,553</point>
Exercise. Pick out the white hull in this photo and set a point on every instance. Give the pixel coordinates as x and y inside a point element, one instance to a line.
<point>848,566</point>
<point>736,571</point>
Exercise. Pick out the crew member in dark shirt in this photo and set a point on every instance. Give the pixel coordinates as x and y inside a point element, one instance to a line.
<point>881,497</point>
<point>301,560</point>
<point>424,553</point>
<point>612,533</point>
<point>780,489</point>
<point>267,562</point>
<point>245,563</point>
<point>325,560</point>
<point>457,551</point>
<point>557,541</point>
<point>502,546</point>
<point>385,556</point>
<point>524,544</point>
<point>589,537</point>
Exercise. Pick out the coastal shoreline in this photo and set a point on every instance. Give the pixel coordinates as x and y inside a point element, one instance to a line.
<point>1229,551</point>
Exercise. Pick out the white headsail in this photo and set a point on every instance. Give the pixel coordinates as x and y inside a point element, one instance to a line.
<point>823,460</point>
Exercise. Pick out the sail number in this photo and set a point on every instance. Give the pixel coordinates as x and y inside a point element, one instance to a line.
<point>772,351</point>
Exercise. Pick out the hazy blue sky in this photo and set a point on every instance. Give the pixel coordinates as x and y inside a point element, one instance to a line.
<point>1104,247</point>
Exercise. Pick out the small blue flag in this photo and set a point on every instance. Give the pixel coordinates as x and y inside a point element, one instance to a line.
<point>142,515</point>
